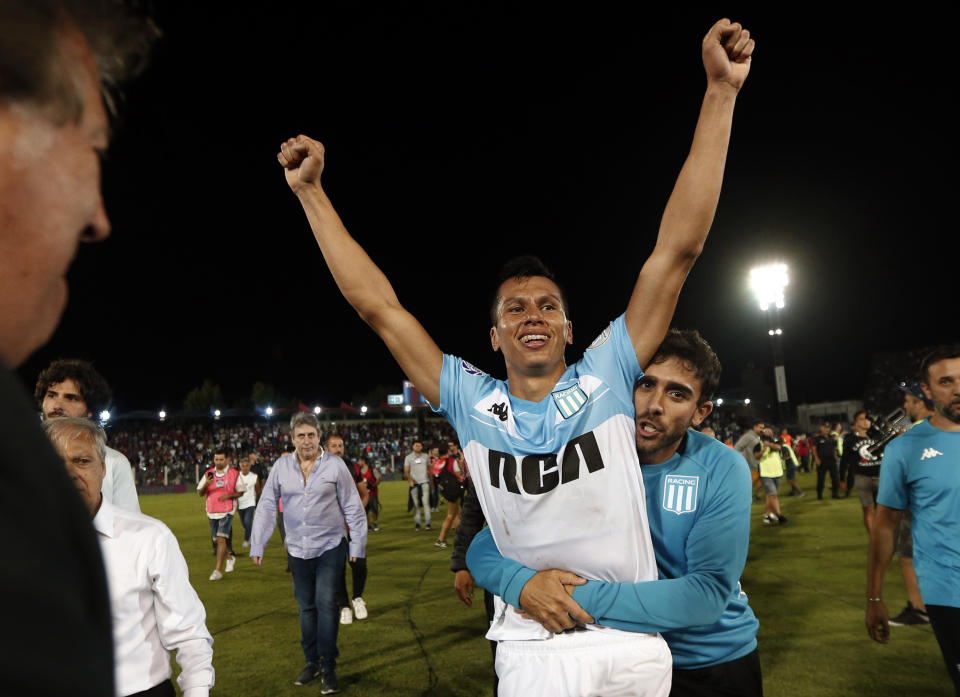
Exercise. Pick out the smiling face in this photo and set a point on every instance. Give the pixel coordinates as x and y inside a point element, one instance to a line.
<point>50,189</point>
<point>532,328</point>
<point>666,406</point>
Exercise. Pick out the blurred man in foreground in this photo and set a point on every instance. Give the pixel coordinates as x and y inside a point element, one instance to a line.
<point>54,56</point>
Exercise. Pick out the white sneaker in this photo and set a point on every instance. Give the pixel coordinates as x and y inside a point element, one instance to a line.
<point>346,616</point>
<point>360,608</point>
<point>246,545</point>
<point>231,562</point>
<point>216,575</point>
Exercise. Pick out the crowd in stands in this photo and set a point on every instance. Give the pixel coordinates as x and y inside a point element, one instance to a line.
<point>177,448</point>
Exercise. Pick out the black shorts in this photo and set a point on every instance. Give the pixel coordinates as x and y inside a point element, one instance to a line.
<point>737,678</point>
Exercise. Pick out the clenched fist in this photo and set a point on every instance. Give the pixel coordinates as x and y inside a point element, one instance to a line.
<point>302,160</point>
<point>727,49</point>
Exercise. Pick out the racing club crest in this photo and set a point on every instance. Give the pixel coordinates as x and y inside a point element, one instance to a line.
<point>680,493</point>
<point>470,369</point>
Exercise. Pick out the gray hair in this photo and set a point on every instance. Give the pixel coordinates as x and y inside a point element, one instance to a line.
<point>36,67</point>
<point>68,428</point>
<point>303,418</point>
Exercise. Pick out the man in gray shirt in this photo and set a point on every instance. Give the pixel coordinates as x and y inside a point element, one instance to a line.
<point>746,445</point>
<point>417,472</point>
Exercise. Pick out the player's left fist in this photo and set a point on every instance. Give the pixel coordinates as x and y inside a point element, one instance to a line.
<point>727,49</point>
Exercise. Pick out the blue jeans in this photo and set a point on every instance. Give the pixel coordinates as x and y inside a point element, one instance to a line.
<point>221,527</point>
<point>315,588</point>
<point>246,517</point>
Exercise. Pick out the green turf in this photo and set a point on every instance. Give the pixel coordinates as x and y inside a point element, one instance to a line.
<point>805,581</point>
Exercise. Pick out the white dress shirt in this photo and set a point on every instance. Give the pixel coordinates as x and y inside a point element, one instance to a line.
<point>154,608</point>
<point>118,485</point>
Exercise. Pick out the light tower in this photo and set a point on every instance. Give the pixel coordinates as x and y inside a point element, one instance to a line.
<point>767,283</point>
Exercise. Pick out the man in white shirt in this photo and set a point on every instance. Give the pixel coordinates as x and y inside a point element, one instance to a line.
<point>71,387</point>
<point>247,504</point>
<point>154,608</point>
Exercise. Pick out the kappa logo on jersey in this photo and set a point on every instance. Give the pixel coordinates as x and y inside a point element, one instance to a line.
<point>500,410</point>
<point>540,473</point>
<point>470,369</point>
<point>569,401</point>
<point>928,453</point>
<point>680,493</point>
<point>602,339</point>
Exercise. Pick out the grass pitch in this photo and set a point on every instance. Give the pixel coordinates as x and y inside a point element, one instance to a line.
<point>805,581</point>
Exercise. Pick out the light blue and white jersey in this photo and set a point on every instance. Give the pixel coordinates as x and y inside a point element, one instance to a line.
<point>558,480</point>
<point>921,471</point>
<point>699,507</point>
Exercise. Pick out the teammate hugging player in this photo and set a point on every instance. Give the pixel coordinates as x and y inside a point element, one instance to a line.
<point>555,439</point>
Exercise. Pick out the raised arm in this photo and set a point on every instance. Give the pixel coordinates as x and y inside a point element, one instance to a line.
<point>726,50</point>
<point>362,283</point>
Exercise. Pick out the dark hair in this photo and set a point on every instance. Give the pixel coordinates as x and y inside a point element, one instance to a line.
<point>940,353</point>
<point>93,388</point>
<point>36,66</point>
<point>330,435</point>
<point>520,267</point>
<point>858,412</point>
<point>696,353</point>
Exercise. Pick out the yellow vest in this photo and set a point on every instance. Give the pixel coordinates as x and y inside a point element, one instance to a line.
<point>771,464</point>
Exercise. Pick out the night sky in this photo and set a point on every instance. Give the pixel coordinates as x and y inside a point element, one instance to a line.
<point>457,138</point>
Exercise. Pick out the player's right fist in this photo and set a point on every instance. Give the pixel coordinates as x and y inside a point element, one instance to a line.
<point>302,161</point>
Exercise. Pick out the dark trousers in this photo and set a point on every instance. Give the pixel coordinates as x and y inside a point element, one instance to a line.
<point>822,471</point>
<point>315,588</point>
<point>738,678</point>
<point>246,517</point>
<point>945,621</point>
<point>164,689</point>
<point>358,569</point>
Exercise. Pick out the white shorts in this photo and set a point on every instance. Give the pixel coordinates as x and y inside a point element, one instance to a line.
<point>585,664</point>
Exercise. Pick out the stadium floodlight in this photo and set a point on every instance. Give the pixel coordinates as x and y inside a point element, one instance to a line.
<point>746,401</point>
<point>269,411</point>
<point>162,414</point>
<point>407,408</point>
<point>363,409</point>
<point>719,401</point>
<point>767,283</point>
<point>216,413</point>
<point>104,416</point>
<point>317,410</point>
<point>779,331</point>
<point>770,332</point>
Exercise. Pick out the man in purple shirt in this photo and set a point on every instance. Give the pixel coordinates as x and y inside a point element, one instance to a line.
<point>319,501</point>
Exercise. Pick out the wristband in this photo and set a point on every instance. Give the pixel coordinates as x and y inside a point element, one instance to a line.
<point>874,600</point>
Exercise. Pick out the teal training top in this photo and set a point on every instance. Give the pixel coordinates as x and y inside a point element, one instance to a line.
<point>698,504</point>
<point>921,471</point>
